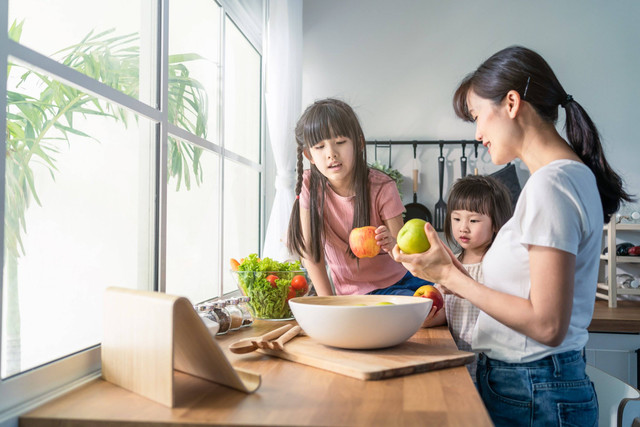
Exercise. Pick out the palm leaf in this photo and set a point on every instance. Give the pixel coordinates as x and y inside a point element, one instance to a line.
<point>114,60</point>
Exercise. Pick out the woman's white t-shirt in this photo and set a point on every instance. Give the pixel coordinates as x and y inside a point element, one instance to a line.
<point>558,207</point>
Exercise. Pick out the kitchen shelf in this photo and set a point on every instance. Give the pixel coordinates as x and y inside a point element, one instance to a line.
<point>612,260</point>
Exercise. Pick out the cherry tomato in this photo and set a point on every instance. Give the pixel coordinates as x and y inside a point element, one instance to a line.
<point>291,294</point>
<point>298,282</point>
<point>272,279</point>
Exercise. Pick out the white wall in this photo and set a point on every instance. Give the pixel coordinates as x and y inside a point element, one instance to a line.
<point>398,63</point>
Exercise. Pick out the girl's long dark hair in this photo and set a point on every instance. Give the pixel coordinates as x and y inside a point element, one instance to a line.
<point>521,69</point>
<point>482,194</point>
<point>326,119</point>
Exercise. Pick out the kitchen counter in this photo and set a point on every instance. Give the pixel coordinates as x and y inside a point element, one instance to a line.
<point>625,318</point>
<point>290,394</point>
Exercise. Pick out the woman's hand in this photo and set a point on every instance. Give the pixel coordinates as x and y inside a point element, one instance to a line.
<point>433,265</point>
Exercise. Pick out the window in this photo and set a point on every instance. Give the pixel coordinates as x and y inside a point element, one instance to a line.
<point>241,135</point>
<point>193,219</point>
<point>114,178</point>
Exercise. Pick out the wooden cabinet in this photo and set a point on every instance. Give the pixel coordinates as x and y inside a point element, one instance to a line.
<point>608,289</point>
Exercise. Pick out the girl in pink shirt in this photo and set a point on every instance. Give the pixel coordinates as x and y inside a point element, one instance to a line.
<point>340,193</point>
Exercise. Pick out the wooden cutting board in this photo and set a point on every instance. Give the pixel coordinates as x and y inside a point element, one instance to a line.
<point>410,357</point>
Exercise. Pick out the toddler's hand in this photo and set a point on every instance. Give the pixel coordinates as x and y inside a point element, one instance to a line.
<point>433,318</point>
<point>384,239</point>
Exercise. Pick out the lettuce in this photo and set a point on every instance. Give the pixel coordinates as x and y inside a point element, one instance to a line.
<point>267,302</point>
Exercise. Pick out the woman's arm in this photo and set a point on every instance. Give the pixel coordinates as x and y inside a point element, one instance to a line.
<point>544,316</point>
<point>317,270</point>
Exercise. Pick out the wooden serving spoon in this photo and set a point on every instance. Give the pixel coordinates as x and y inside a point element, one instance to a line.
<point>286,337</point>
<point>247,345</point>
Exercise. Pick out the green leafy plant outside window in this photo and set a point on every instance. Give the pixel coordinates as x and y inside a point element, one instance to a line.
<point>36,126</point>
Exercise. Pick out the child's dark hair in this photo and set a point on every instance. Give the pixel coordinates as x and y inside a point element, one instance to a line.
<point>525,71</point>
<point>482,194</point>
<point>326,119</point>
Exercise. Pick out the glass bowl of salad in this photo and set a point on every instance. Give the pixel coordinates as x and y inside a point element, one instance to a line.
<point>270,285</point>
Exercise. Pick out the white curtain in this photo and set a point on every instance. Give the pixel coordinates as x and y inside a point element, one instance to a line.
<point>283,98</point>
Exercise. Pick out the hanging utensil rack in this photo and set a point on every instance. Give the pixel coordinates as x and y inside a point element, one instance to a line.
<point>385,144</point>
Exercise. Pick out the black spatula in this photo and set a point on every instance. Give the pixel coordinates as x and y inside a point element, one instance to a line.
<point>441,207</point>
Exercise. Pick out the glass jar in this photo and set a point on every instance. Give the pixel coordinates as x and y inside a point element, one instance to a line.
<point>209,318</point>
<point>224,319</point>
<point>236,314</point>
<point>243,304</point>
<point>206,311</point>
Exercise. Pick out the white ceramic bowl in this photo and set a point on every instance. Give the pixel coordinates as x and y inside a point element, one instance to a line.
<point>358,321</point>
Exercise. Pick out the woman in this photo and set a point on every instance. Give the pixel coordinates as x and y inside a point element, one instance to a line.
<point>540,274</point>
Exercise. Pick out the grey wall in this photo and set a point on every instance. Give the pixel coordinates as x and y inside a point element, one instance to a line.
<point>398,62</point>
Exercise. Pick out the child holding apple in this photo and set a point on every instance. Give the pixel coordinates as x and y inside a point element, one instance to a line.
<point>478,206</point>
<point>541,272</point>
<point>340,193</point>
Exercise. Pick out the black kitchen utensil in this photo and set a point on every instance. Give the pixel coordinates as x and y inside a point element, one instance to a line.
<point>441,206</point>
<point>463,163</point>
<point>382,145</point>
<point>508,176</point>
<point>475,148</point>
<point>415,209</point>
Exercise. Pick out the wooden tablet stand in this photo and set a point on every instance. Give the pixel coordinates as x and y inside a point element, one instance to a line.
<point>146,335</point>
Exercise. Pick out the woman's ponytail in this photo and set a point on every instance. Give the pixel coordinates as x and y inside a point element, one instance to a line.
<point>585,141</point>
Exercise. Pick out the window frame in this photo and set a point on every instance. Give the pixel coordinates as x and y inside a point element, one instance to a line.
<point>29,389</point>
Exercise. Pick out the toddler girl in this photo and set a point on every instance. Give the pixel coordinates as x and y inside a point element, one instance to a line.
<point>477,208</point>
<point>337,194</point>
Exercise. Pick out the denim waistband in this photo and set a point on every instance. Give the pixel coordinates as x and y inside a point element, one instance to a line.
<point>551,360</point>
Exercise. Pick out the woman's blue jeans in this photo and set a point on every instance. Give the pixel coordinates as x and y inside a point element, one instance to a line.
<point>553,391</point>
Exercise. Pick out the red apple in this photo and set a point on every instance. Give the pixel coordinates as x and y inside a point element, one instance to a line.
<point>363,242</point>
<point>428,291</point>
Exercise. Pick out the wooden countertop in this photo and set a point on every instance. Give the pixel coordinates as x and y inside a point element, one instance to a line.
<point>625,318</point>
<point>290,394</point>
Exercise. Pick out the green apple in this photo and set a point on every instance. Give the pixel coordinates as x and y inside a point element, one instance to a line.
<point>411,238</point>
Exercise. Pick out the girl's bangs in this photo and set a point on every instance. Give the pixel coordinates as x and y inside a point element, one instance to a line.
<point>472,202</point>
<point>326,123</point>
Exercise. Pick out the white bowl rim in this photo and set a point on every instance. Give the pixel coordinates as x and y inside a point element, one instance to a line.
<point>351,301</point>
